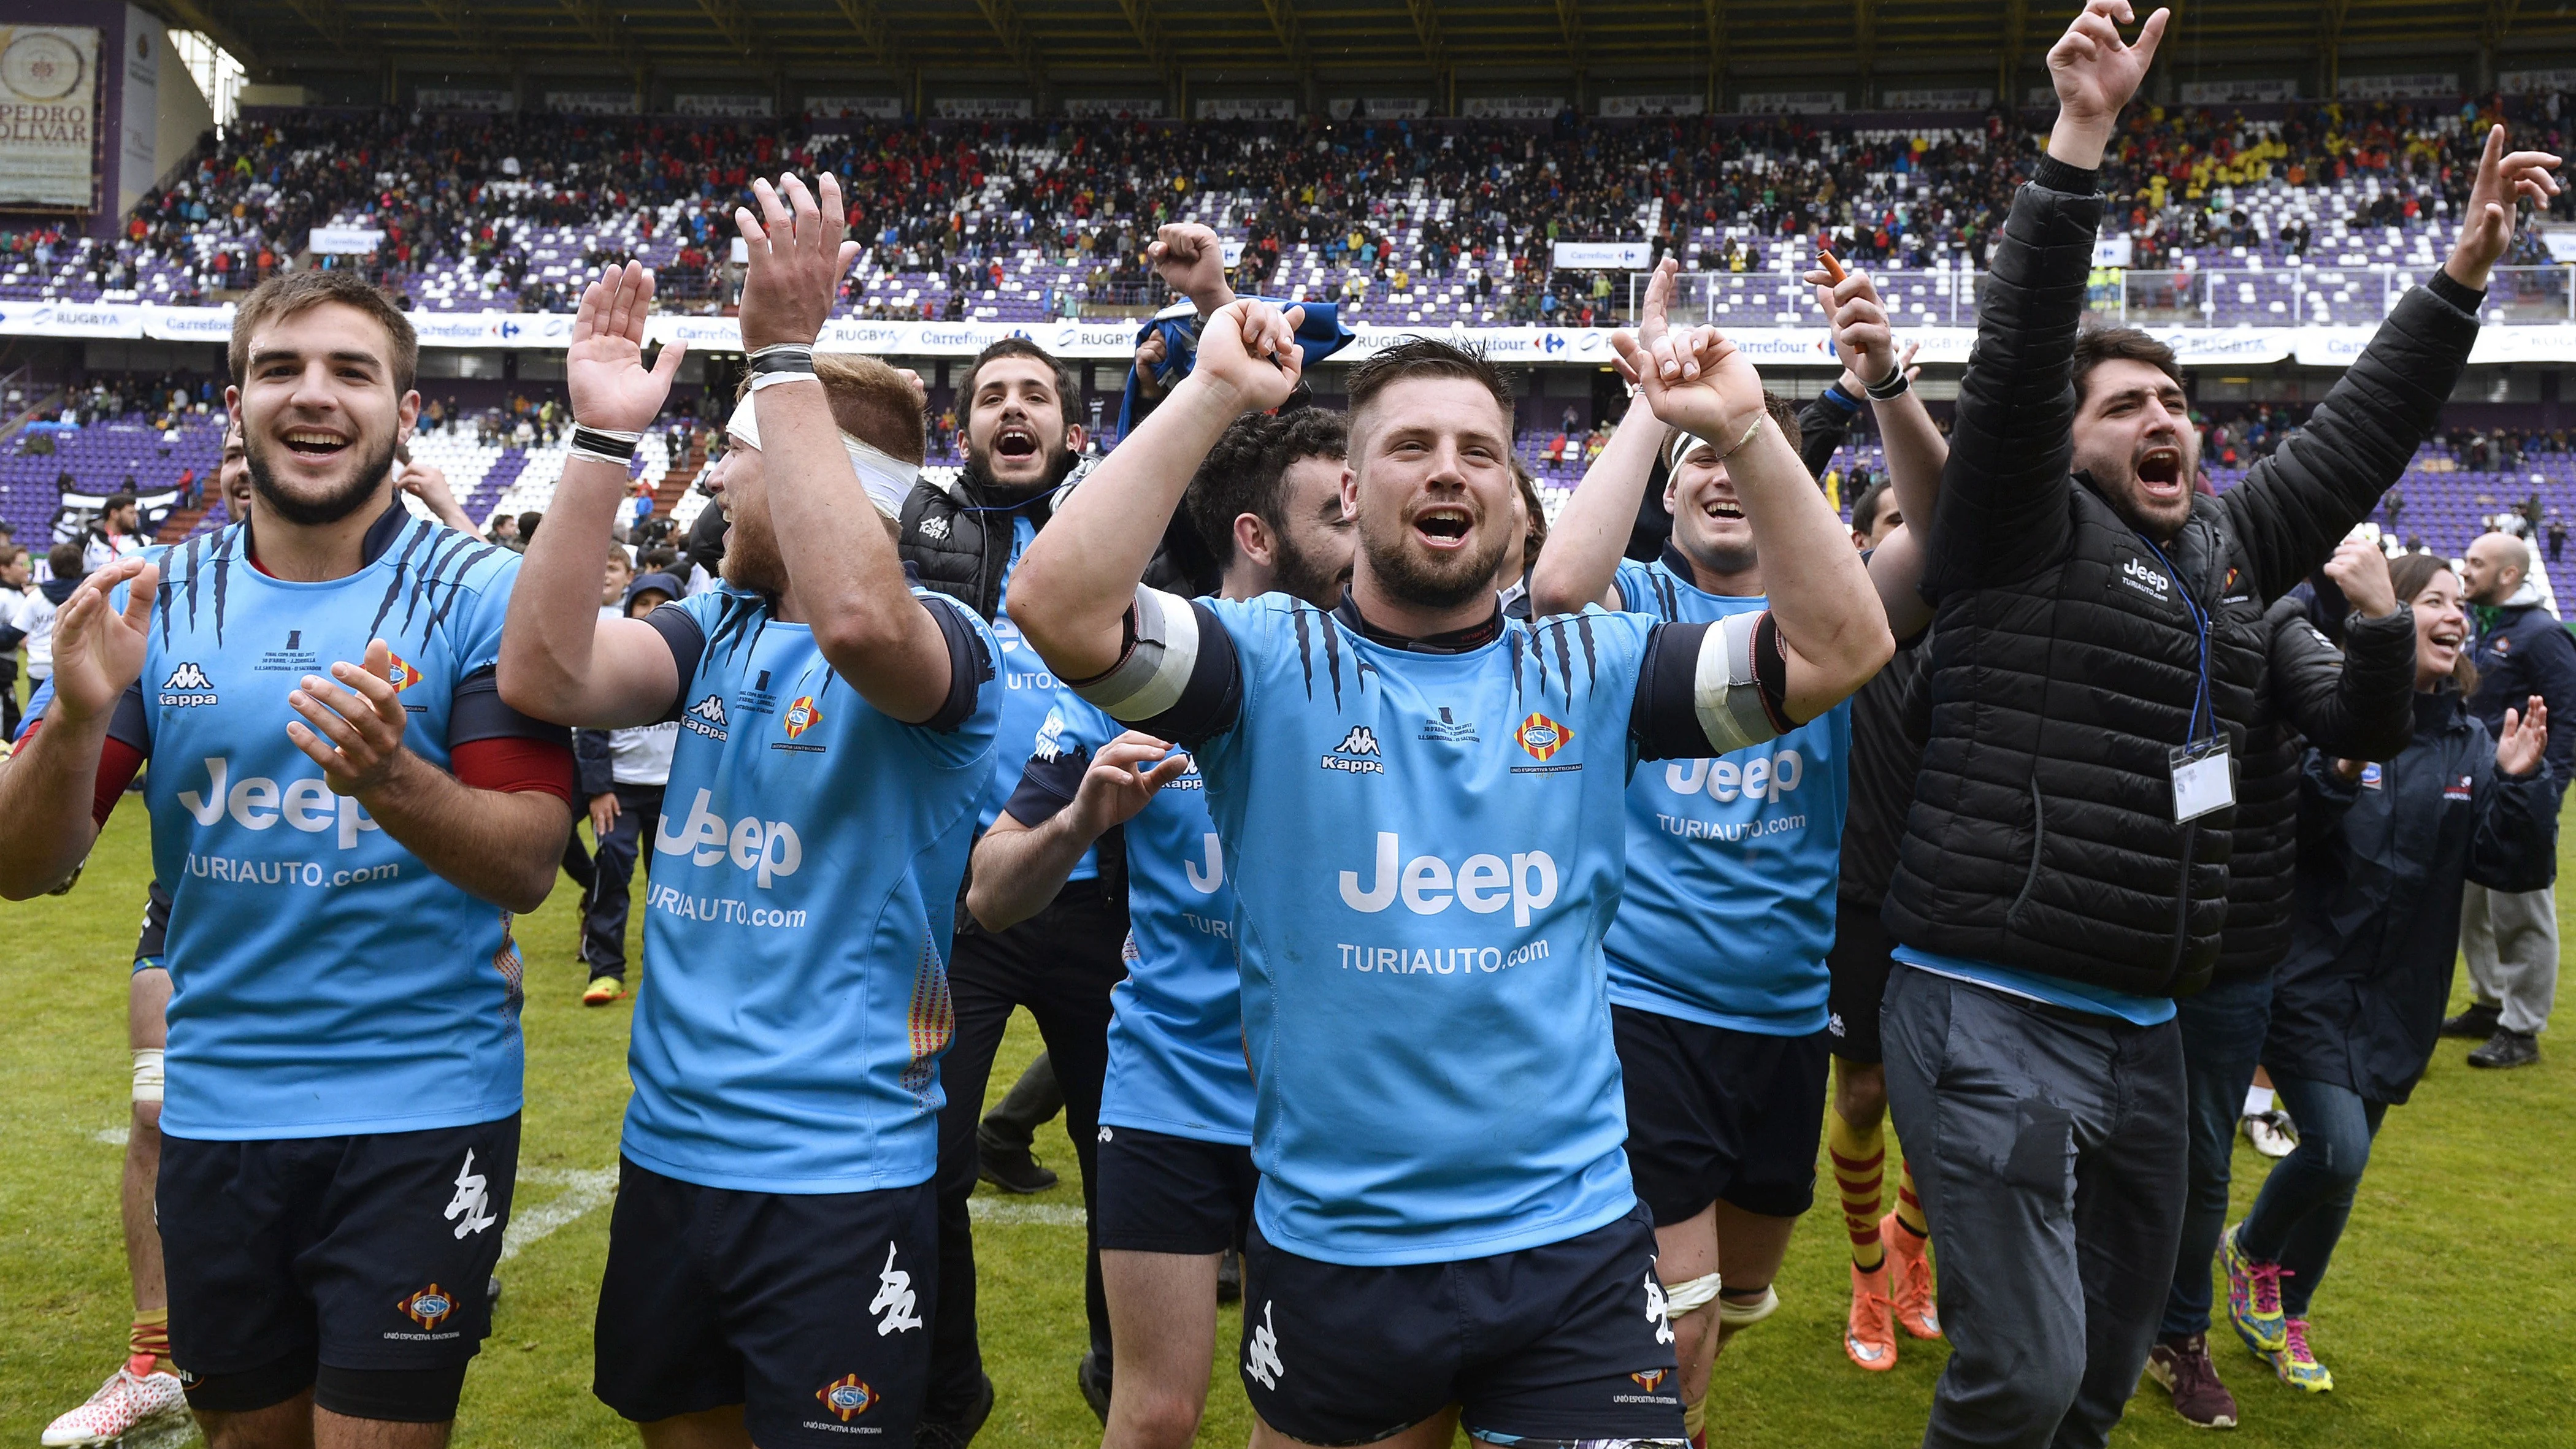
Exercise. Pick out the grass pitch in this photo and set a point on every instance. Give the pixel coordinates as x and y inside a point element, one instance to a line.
<point>2445,1321</point>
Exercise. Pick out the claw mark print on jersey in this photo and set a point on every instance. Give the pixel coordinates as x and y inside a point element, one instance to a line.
<point>1261,1360</point>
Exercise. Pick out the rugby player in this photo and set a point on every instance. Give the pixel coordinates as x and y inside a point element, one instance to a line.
<point>1176,1174</point>
<point>771,1257</point>
<point>344,843</point>
<point>1419,801</point>
<point>147,1384</point>
<point>1717,953</point>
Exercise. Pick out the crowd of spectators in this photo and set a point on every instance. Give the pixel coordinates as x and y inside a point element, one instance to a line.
<point>1380,203</point>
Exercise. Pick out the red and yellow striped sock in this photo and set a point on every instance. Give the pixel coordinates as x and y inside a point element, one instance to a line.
<point>1860,1163</point>
<point>1909,1208</point>
<point>147,1342</point>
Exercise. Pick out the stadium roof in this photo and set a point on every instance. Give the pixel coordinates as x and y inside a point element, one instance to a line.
<point>1181,48</point>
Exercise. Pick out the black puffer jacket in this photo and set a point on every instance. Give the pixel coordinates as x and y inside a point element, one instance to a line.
<point>2358,704</point>
<point>959,538</point>
<point>2065,663</point>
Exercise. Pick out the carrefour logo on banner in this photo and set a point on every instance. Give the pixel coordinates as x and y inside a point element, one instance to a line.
<point>1553,342</point>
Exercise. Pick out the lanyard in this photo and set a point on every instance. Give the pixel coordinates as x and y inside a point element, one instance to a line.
<point>2200,624</point>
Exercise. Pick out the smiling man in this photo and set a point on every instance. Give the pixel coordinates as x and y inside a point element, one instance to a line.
<point>2096,659</point>
<point>345,844</point>
<point>1421,804</point>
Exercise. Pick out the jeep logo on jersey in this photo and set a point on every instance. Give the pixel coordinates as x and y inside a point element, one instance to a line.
<point>1726,781</point>
<point>706,717</point>
<point>187,686</point>
<point>2145,580</point>
<point>1482,883</point>
<point>801,716</point>
<point>769,848</point>
<point>257,802</point>
<point>1542,737</point>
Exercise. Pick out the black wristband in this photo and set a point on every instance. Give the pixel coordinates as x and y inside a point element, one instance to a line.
<point>783,357</point>
<point>613,446</point>
<point>1891,386</point>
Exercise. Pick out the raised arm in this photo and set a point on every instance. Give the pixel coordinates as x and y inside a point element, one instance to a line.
<point>1833,632</point>
<point>1999,515</point>
<point>2327,476</point>
<point>1073,588</point>
<point>428,483</point>
<point>2357,704</point>
<point>47,787</point>
<point>1915,448</point>
<point>560,661</point>
<point>1023,861</point>
<point>1580,564</point>
<point>842,569</point>
<point>2515,845</point>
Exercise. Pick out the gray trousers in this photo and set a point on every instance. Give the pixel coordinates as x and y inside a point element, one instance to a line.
<point>2511,940</point>
<point>2050,1157</point>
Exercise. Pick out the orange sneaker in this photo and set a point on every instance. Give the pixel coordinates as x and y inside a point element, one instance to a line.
<point>1910,1278</point>
<point>1870,1338</point>
<point>602,990</point>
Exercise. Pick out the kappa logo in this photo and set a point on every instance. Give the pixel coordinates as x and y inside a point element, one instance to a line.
<point>895,1299</point>
<point>934,527</point>
<point>402,674</point>
<point>1357,754</point>
<point>1658,1312</point>
<point>1261,1359</point>
<point>1542,737</point>
<point>429,1307</point>
<point>706,717</point>
<point>802,715</point>
<point>187,687</point>
<point>471,1208</point>
<point>1049,744</point>
<point>848,1396</point>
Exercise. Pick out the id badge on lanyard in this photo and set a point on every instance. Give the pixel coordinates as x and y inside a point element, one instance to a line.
<point>2204,777</point>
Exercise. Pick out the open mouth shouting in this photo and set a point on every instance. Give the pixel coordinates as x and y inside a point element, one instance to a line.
<point>1443,527</point>
<point>2447,636</point>
<point>2160,472</point>
<point>317,443</point>
<point>1016,443</point>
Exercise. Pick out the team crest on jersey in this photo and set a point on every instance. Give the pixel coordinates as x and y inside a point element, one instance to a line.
<point>706,717</point>
<point>1542,737</point>
<point>801,716</point>
<point>187,686</point>
<point>429,1307</point>
<point>848,1396</point>
<point>2459,789</point>
<point>1651,1379</point>
<point>402,674</point>
<point>1357,754</point>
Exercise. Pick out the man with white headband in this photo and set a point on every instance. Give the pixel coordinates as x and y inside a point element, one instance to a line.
<point>771,1262</point>
<point>1717,957</point>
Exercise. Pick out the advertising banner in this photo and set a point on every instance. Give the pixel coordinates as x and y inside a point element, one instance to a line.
<point>1789,103</point>
<point>465,98</point>
<point>1665,105</point>
<point>855,108</point>
<point>732,108</point>
<point>1377,108</point>
<point>1602,254</point>
<point>1511,108</point>
<point>48,115</point>
<point>2225,92</point>
<point>982,108</point>
<point>1936,98</point>
<point>591,103</point>
<point>1113,108</point>
<point>1243,108</point>
<point>2422,85</point>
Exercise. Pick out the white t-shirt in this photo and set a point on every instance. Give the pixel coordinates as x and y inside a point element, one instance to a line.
<point>33,613</point>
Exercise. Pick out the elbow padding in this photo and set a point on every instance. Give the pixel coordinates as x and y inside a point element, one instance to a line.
<point>1727,690</point>
<point>1157,665</point>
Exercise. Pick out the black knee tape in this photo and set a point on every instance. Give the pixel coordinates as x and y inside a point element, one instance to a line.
<point>253,1389</point>
<point>401,1396</point>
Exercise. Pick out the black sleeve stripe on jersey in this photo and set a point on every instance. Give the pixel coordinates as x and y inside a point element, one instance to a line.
<point>1663,719</point>
<point>969,665</point>
<point>1047,786</point>
<point>456,586</point>
<point>1213,699</point>
<point>688,644</point>
<point>479,713</point>
<point>132,722</point>
<point>393,586</point>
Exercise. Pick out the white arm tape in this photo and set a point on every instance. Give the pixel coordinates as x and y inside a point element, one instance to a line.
<point>147,1073</point>
<point>1150,679</point>
<point>1691,1293</point>
<point>1745,1315</point>
<point>1729,700</point>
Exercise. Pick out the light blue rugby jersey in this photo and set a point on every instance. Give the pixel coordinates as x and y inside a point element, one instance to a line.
<point>1028,693</point>
<point>1427,848</point>
<point>1176,1033</point>
<point>804,884</point>
<point>324,981</point>
<point>1732,861</point>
